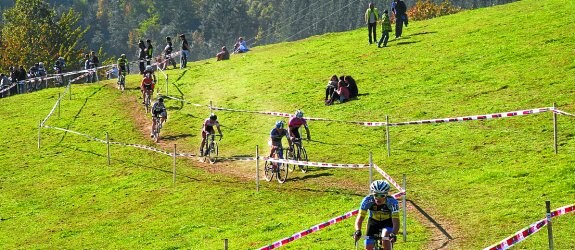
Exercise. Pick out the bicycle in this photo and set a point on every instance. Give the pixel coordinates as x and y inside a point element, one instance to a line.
<point>147,97</point>
<point>156,129</point>
<point>280,170</point>
<point>211,152</point>
<point>122,81</point>
<point>298,154</point>
<point>379,240</point>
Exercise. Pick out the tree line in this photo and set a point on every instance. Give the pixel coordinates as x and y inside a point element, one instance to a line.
<point>41,30</point>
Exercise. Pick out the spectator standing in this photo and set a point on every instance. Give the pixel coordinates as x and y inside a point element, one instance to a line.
<point>149,52</point>
<point>88,66</point>
<point>4,83</point>
<point>224,54</point>
<point>385,29</point>
<point>22,76</point>
<point>168,54</point>
<point>399,11</point>
<point>371,18</point>
<point>141,56</point>
<point>14,74</point>
<point>185,51</point>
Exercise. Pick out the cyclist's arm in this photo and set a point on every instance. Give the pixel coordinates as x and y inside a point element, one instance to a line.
<point>359,219</point>
<point>307,132</point>
<point>219,130</point>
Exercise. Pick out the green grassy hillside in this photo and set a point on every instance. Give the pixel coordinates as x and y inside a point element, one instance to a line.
<point>481,180</point>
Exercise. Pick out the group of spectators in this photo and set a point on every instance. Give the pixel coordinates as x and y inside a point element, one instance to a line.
<point>399,10</point>
<point>340,89</point>
<point>91,62</point>
<point>19,81</point>
<point>240,47</point>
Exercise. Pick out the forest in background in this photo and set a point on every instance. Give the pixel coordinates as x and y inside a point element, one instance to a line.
<point>115,26</point>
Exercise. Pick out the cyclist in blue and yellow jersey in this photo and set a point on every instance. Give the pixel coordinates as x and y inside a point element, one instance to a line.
<point>208,128</point>
<point>276,135</point>
<point>295,123</point>
<point>383,214</point>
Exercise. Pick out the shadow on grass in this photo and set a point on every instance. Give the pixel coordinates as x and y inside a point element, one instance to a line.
<point>80,111</point>
<point>308,176</point>
<point>405,43</point>
<point>130,163</point>
<point>337,143</point>
<point>434,222</point>
<point>422,33</point>
<point>175,137</point>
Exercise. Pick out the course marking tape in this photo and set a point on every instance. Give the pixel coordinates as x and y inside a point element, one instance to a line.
<point>315,164</point>
<point>388,177</point>
<point>530,230</point>
<point>562,112</point>
<point>313,229</point>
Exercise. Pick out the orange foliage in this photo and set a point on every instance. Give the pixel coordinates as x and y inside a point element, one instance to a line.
<point>425,9</point>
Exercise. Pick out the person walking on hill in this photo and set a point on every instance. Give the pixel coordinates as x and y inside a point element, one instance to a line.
<point>149,52</point>
<point>383,215</point>
<point>185,51</point>
<point>141,56</point>
<point>399,11</point>
<point>385,29</point>
<point>371,18</point>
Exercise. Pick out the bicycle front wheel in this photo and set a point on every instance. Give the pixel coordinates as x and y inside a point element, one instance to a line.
<point>213,153</point>
<point>282,172</point>
<point>268,171</point>
<point>302,156</point>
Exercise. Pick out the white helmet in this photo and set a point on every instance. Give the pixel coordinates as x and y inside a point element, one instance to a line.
<point>298,113</point>
<point>379,187</point>
<point>41,64</point>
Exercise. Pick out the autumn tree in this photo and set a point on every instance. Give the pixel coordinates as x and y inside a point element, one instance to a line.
<point>33,32</point>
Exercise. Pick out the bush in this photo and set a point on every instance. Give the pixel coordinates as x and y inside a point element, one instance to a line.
<point>426,9</point>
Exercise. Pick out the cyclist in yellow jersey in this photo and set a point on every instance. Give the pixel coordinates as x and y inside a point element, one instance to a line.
<point>383,214</point>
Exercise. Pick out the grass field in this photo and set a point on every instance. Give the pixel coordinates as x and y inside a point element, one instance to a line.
<point>480,180</point>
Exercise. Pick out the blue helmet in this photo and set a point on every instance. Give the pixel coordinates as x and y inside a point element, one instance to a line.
<point>298,113</point>
<point>379,187</point>
<point>279,124</point>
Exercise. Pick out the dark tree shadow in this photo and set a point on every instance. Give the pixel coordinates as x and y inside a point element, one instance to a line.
<point>176,137</point>
<point>405,43</point>
<point>434,222</point>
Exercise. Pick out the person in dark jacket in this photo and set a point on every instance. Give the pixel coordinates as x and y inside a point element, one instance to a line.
<point>142,56</point>
<point>399,10</point>
<point>224,54</point>
<point>351,86</point>
<point>149,52</point>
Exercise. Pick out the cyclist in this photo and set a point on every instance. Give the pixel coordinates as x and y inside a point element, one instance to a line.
<point>295,123</point>
<point>208,129</point>
<point>158,110</point>
<point>59,65</point>
<point>276,139</point>
<point>147,85</point>
<point>383,214</point>
<point>123,67</point>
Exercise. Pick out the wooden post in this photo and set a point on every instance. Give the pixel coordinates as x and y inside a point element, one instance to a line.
<point>387,136</point>
<point>39,128</point>
<point>70,89</point>
<point>210,106</point>
<point>167,85</point>
<point>225,244</point>
<point>108,146</point>
<point>174,177</point>
<point>404,199</point>
<point>549,227</point>
<point>257,168</point>
<point>370,171</point>
<point>59,105</point>
<point>554,128</point>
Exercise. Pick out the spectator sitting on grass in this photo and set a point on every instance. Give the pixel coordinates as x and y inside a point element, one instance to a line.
<point>330,88</point>
<point>224,54</point>
<point>351,86</point>
<point>341,94</point>
<point>241,46</point>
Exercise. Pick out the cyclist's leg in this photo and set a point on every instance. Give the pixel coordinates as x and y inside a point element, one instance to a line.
<point>204,135</point>
<point>153,125</point>
<point>387,245</point>
<point>373,228</point>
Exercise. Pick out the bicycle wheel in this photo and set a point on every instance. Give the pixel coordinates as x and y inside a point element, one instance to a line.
<point>282,173</point>
<point>291,156</point>
<point>268,171</point>
<point>213,152</point>
<point>302,156</point>
<point>122,83</point>
<point>157,130</point>
<point>147,102</point>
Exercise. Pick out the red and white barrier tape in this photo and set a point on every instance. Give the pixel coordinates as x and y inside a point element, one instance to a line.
<point>388,177</point>
<point>476,117</point>
<point>562,112</point>
<point>8,88</point>
<point>316,164</point>
<point>314,229</point>
<point>55,105</point>
<point>77,133</point>
<point>530,230</point>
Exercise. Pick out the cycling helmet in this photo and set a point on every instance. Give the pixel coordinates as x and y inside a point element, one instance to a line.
<point>379,187</point>
<point>41,64</point>
<point>149,68</point>
<point>61,58</point>
<point>123,55</point>
<point>213,117</point>
<point>299,113</point>
<point>160,99</point>
<point>279,124</point>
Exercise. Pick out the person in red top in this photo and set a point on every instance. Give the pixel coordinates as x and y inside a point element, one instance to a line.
<point>147,85</point>
<point>295,123</point>
<point>341,94</point>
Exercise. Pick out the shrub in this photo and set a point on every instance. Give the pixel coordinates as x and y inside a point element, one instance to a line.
<point>426,9</point>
